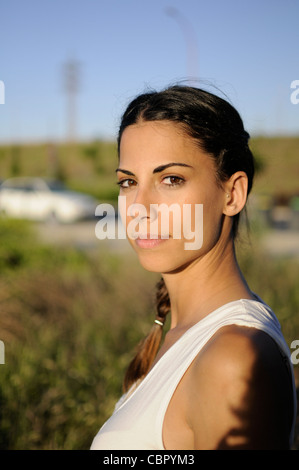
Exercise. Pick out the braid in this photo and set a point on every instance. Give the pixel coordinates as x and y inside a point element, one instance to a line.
<point>148,348</point>
<point>162,301</point>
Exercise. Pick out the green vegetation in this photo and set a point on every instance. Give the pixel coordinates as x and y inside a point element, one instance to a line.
<point>86,167</point>
<point>89,167</point>
<point>68,322</point>
<point>71,319</point>
<point>279,165</point>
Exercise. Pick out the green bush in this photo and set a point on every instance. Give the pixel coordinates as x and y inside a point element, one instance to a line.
<point>70,321</point>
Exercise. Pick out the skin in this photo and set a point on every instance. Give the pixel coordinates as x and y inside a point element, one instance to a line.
<point>236,393</point>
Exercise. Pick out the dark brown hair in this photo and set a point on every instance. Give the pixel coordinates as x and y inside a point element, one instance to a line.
<point>218,129</point>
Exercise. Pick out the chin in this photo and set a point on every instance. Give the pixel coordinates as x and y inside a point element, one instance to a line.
<point>168,261</point>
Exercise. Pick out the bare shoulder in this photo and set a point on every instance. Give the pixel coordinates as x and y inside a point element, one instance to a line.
<point>237,349</point>
<point>240,389</point>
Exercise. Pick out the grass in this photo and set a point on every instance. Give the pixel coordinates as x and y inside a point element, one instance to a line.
<point>67,341</point>
<point>70,321</point>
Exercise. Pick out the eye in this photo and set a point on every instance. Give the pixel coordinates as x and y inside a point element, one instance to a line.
<point>126,183</point>
<point>173,181</point>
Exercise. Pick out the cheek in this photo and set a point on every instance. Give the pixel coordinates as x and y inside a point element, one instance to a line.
<point>212,224</point>
<point>189,226</point>
<point>122,209</point>
<point>130,214</point>
<point>203,220</point>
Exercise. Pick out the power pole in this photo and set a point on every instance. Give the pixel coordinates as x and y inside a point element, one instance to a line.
<point>71,85</point>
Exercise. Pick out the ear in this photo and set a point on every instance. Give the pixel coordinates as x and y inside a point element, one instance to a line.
<point>235,193</point>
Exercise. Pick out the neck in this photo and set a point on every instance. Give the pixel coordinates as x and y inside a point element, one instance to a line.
<point>206,284</point>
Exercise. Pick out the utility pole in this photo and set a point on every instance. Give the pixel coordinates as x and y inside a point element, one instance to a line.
<point>71,86</point>
<point>192,65</point>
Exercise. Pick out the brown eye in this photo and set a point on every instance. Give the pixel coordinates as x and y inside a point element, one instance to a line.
<point>126,183</point>
<point>173,181</point>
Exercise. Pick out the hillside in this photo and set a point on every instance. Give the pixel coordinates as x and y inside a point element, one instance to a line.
<point>89,167</point>
<point>279,157</point>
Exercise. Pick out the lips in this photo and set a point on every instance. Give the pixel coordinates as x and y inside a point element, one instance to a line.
<point>150,241</point>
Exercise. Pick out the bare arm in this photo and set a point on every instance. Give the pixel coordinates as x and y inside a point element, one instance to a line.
<point>240,393</point>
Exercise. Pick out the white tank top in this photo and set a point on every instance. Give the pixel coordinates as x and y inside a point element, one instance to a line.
<point>137,421</point>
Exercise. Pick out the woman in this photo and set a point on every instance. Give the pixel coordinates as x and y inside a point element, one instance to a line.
<point>222,378</point>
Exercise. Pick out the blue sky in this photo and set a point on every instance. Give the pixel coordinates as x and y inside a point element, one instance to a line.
<point>248,49</point>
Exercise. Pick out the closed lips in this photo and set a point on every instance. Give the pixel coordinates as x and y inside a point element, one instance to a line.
<point>151,236</point>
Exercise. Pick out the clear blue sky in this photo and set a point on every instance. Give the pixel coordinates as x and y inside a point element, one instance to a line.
<point>248,49</point>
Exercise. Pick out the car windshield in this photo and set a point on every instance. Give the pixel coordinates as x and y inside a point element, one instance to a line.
<point>56,186</point>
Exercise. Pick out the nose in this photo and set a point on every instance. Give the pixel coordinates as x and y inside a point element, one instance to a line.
<point>139,205</point>
<point>142,195</point>
<point>142,205</point>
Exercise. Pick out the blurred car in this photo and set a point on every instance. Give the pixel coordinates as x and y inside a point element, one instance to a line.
<point>44,200</point>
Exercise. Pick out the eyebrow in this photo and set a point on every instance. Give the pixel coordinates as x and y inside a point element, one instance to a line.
<point>158,169</point>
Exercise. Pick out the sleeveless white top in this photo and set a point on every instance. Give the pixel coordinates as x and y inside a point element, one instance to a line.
<point>138,417</point>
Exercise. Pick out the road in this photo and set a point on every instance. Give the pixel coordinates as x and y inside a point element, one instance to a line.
<point>282,243</point>
<point>82,235</point>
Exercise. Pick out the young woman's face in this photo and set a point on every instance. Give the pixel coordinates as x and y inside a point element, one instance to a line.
<point>166,181</point>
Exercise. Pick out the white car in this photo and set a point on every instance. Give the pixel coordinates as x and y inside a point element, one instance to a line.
<point>44,200</point>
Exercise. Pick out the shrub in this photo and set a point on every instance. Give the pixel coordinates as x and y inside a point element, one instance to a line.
<point>70,322</point>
